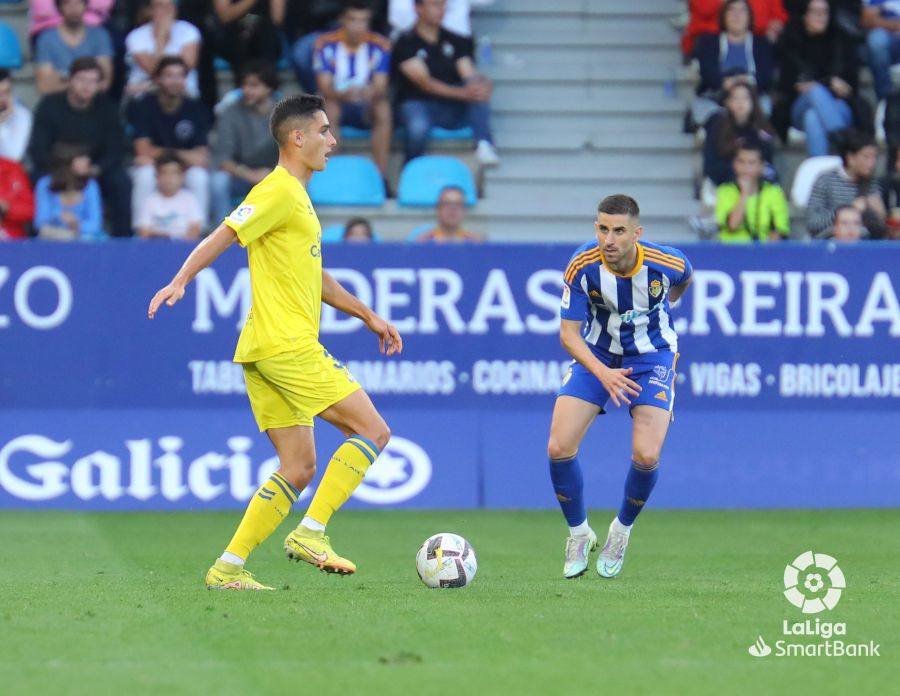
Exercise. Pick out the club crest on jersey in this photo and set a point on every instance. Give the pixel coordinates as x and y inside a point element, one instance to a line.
<point>656,288</point>
<point>241,214</point>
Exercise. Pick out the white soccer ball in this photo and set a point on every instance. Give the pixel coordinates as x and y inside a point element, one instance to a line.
<point>446,560</point>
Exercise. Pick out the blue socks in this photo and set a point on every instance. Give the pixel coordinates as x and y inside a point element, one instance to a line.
<point>568,485</point>
<point>638,485</point>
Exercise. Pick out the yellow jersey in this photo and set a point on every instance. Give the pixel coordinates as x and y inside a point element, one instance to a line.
<point>281,232</point>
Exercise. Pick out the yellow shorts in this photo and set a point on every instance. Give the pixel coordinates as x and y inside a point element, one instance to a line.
<point>292,387</point>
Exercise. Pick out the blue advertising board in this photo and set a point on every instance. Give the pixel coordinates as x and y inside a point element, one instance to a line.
<point>788,390</point>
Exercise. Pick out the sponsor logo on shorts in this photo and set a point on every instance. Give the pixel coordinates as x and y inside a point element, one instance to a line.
<point>662,396</point>
<point>660,371</point>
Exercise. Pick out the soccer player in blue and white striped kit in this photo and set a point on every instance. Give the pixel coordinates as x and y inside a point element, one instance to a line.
<point>616,323</point>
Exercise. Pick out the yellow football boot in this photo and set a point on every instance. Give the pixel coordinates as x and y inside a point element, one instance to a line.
<point>314,547</point>
<point>228,576</point>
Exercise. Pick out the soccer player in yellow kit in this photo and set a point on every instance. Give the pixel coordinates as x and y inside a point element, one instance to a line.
<point>290,376</point>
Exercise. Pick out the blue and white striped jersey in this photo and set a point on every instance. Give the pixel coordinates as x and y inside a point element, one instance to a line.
<point>625,314</point>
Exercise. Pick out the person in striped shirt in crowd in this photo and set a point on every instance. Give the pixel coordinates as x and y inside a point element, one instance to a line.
<point>616,324</point>
<point>352,66</point>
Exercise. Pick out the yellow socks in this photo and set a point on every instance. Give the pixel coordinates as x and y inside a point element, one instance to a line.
<point>268,507</point>
<point>345,471</point>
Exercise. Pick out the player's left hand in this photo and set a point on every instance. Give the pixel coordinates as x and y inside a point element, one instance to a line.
<point>389,340</point>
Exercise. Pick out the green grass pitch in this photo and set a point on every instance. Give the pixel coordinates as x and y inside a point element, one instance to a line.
<point>114,603</point>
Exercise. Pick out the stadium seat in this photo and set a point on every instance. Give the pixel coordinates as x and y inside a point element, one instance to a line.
<point>353,133</point>
<point>438,133</point>
<point>423,178</point>
<point>10,51</point>
<point>807,173</point>
<point>347,180</point>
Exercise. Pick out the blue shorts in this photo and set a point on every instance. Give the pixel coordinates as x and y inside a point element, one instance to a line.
<point>654,372</point>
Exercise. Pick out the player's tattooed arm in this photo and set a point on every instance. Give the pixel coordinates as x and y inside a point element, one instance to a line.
<point>615,380</point>
<point>334,294</point>
<point>202,256</point>
<point>676,292</point>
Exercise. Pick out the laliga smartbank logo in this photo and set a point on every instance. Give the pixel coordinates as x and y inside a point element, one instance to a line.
<point>813,583</point>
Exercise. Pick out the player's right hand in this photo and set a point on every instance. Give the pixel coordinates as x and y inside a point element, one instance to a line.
<point>618,386</point>
<point>169,294</point>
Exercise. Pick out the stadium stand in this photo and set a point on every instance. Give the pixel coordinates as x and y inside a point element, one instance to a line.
<point>350,180</point>
<point>423,179</point>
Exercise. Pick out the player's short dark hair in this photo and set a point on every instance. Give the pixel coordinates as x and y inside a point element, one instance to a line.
<point>619,204</point>
<point>168,157</point>
<point>852,141</point>
<point>83,64</point>
<point>167,62</point>
<point>264,71</point>
<point>298,107</point>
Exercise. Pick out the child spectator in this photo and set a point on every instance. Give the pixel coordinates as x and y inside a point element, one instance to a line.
<point>67,204</point>
<point>742,121</point>
<point>751,209</point>
<point>848,225</point>
<point>358,231</point>
<point>16,200</point>
<point>170,212</point>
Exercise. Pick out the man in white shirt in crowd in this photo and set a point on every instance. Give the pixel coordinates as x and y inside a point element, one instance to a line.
<point>163,35</point>
<point>15,121</point>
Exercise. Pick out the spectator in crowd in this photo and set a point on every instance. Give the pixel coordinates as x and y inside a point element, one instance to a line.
<point>352,67</point>
<point>249,29</point>
<point>163,35</point>
<point>43,14</point>
<point>67,204</point>
<point>15,121</point>
<point>16,200</point>
<point>882,19</point>
<point>170,120</point>
<point>439,84</point>
<point>170,212</point>
<point>890,190</point>
<point>742,121</point>
<point>852,184</point>
<point>358,231</point>
<point>731,56</point>
<point>848,225</point>
<point>244,149</point>
<point>402,15</point>
<point>819,70</point>
<point>751,209</point>
<point>83,116</point>
<point>304,26</point>
<point>59,46</point>
<point>769,20</point>
<point>451,213</point>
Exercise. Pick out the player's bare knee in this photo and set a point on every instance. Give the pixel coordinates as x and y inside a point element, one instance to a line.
<point>378,433</point>
<point>299,473</point>
<point>646,458</point>
<point>560,450</point>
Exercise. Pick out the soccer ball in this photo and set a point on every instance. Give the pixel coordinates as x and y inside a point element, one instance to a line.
<point>446,560</point>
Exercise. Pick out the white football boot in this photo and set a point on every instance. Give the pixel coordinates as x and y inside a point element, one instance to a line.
<point>609,564</point>
<point>578,548</point>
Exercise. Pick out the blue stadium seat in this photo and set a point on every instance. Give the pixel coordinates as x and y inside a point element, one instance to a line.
<point>332,234</point>
<point>10,51</point>
<point>347,180</point>
<point>353,133</point>
<point>423,178</point>
<point>438,133</point>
